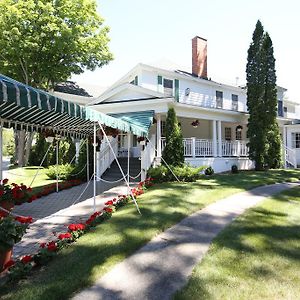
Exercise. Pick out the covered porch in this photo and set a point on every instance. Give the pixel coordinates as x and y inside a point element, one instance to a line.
<point>207,138</point>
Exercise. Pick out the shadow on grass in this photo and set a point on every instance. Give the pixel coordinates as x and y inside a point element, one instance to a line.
<point>258,246</point>
<point>164,205</point>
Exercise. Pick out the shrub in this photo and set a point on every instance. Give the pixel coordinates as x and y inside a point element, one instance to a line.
<point>185,173</point>
<point>234,169</point>
<point>64,171</point>
<point>209,171</point>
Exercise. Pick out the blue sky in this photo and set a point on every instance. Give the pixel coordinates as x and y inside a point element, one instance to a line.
<point>147,31</point>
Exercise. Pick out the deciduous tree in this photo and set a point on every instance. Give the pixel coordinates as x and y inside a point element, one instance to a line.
<point>44,42</point>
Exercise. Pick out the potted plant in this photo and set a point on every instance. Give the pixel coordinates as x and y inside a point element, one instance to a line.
<point>11,232</point>
<point>141,140</point>
<point>111,131</point>
<point>49,135</point>
<point>13,194</point>
<point>195,123</point>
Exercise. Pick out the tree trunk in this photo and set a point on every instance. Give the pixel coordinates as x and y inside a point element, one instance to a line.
<point>20,147</point>
<point>23,142</point>
<point>28,144</point>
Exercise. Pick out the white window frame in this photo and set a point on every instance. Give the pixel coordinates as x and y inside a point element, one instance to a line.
<point>171,91</point>
<point>228,133</point>
<point>296,140</point>
<point>219,101</point>
<point>235,103</point>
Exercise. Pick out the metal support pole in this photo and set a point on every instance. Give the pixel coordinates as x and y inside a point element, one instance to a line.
<point>87,161</point>
<point>57,143</point>
<point>1,153</point>
<point>94,147</point>
<point>128,160</point>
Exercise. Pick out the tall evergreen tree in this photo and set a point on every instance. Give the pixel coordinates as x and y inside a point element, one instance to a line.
<point>173,153</point>
<point>263,132</point>
<point>273,148</point>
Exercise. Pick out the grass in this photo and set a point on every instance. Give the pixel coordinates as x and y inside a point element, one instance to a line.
<point>256,257</point>
<point>25,175</point>
<point>97,252</point>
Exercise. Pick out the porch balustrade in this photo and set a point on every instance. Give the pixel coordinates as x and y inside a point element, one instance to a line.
<point>204,148</point>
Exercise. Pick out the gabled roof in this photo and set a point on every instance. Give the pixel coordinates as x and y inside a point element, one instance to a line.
<point>179,74</point>
<point>141,94</point>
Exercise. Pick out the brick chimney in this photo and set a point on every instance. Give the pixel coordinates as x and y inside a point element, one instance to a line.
<point>199,57</point>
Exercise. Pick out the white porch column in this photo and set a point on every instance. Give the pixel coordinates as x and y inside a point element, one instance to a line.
<point>1,153</point>
<point>220,139</point>
<point>158,135</point>
<point>284,144</point>
<point>193,147</point>
<point>214,138</point>
<point>77,147</point>
<point>98,165</point>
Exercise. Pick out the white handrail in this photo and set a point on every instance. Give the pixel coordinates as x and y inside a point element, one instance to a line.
<point>106,156</point>
<point>290,156</point>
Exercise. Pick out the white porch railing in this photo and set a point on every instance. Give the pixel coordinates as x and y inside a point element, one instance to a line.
<point>105,157</point>
<point>147,156</point>
<point>204,148</point>
<point>234,148</point>
<point>290,157</point>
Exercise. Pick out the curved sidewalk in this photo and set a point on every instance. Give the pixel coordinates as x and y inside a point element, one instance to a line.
<point>163,266</point>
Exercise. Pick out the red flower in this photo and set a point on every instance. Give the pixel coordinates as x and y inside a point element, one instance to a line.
<point>66,235</point>
<point>110,202</point>
<point>42,245</point>
<point>5,181</point>
<point>108,209</point>
<point>9,264</point>
<point>24,220</point>
<point>74,227</point>
<point>51,246</point>
<point>26,259</point>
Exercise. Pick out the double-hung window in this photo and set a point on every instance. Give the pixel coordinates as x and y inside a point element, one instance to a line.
<point>235,102</point>
<point>296,139</point>
<point>168,87</point>
<point>219,99</point>
<point>228,133</point>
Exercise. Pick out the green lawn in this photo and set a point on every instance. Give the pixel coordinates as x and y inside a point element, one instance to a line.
<point>162,206</point>
<point>256,257</point>
<point>25,175</point>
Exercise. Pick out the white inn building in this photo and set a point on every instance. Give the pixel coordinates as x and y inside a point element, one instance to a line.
<point>220,138</point>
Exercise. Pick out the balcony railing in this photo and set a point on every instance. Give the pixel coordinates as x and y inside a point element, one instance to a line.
<point>204,148</point>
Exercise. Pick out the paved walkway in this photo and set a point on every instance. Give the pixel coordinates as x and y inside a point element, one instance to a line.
<point>56,210</point>
<point>163,266</point>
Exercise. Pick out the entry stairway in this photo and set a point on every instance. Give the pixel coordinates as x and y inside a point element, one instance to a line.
<point>290,158</point>
<point>113,173</point>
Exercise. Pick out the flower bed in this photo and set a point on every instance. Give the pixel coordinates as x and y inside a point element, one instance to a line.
<point>15,194</point>
<point>21,267</point>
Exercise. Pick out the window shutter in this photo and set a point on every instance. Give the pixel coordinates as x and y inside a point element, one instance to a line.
<point>159,84</point>
<point>177,90</point>
<point>159,80</point>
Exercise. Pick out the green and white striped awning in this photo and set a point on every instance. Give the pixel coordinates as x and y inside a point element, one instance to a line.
<point>141,119</point>
<point>24,107</point>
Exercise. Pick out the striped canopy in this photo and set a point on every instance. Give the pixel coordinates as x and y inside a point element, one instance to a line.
<point>141,119</point>
<point>24,107</point>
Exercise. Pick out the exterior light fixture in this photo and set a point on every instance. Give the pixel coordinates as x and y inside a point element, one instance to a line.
<point>195,123</point>
<point>239,128</point>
